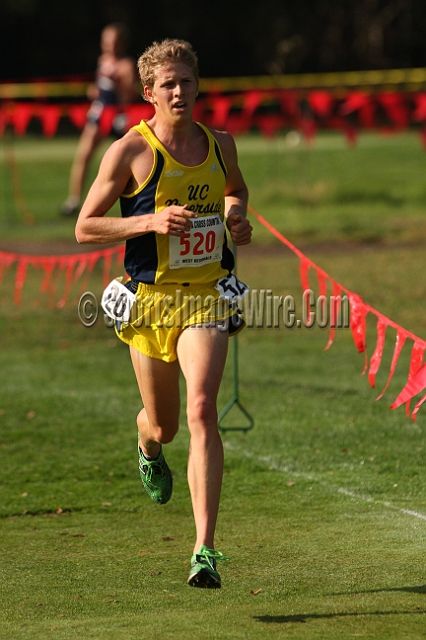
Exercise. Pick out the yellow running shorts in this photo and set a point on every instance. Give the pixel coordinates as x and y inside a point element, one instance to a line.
<point>161,312</point>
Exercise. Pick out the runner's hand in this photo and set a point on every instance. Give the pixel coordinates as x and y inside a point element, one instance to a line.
<point>173,220</point>
<point>239,228</point>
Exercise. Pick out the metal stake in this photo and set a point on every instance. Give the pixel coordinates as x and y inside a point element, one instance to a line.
<point>235,400</point>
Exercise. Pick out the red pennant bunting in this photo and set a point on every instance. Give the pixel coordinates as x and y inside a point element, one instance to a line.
<point>107,119</point>
<point>394,106</point>
<point>221,106</point>
<point>362,104</point>
<point>269,124</point>
<point>322,283</point>
<point>241,122</point>
<point>199,112</point>
<point>54,281</point>
<point>321,103</point>
<point>137,112</point>
<point>412,388</point>
<point>417,407</point>
<point>50,116</point>
<point>21,273</point>
<point>416,360</point>
<point>237,123</point>
<point>304,277</point>
<point>90,263</point>
<point>354,102</point>
<point>48,266</point>
<point>252,99</point>
<point>303,110</point>
<point>358,321</point>
<point>68,283</point>
<point>78,114</point>
<point>290,104</point>
<point>419,114</point>
<point>399,343</point>
<point>53,266</point>
<point>21,117</point>
<point>359,311</point>
<point>334,312</point>
<point>322,289</point>
<point>81,268</point>
<point>376,358</point>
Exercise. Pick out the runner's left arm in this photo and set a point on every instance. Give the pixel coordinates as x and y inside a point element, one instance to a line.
<point>236,192</point>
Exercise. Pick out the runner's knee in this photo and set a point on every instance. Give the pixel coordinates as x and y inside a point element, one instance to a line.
<point>202,412</point>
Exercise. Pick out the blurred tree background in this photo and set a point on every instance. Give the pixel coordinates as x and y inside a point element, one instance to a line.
<point>45,38</point>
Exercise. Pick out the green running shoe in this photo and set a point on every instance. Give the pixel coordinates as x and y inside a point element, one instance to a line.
<point>203,572</point>
<point>156,477</point>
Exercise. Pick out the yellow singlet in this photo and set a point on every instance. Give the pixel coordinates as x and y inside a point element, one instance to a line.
<point>198,257</point>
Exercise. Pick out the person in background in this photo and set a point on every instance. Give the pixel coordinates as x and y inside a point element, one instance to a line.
<point>181,192</point>
<point>114,85</point>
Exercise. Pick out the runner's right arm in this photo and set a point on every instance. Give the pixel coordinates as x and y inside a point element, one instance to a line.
<point>125,165</point>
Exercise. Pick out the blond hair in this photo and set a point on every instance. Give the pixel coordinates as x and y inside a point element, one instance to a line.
<point>161,53</point>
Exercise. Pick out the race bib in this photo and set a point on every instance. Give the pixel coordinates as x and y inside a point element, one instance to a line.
<point>203,244</point>
<point>231,288</point>
<point>117,301</point>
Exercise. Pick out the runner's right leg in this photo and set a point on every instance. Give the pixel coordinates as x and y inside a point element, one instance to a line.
<point>158,421</point>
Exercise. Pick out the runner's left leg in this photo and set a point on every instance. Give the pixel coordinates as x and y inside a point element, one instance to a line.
<point>202,356</point>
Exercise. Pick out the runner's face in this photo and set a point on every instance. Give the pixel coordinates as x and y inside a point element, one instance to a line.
<point>174,91</point>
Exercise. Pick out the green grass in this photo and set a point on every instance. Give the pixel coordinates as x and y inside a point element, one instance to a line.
<point>322,501</point>
<point>372,193</point>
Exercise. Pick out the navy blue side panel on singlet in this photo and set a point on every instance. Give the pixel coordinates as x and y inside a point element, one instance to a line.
<point>219,158</point>
<point>228,261</point>
<point>141,260</point>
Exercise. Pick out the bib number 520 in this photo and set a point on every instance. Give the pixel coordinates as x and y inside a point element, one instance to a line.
<point>203,243</point>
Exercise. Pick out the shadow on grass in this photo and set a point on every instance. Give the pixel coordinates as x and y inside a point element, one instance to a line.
<point>420,589</point>
<point>305,617</point>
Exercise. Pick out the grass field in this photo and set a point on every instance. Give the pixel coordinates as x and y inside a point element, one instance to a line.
<point>323,511</point>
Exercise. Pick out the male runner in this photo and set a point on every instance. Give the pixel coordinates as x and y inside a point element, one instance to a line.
<point>180,190</point>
